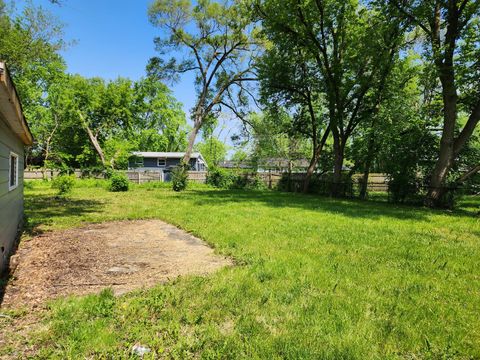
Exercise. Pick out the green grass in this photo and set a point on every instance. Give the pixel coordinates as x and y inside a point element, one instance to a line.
<point>316,278</point>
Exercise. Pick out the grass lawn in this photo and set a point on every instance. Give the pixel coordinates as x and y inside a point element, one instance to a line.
<point>316,278</point>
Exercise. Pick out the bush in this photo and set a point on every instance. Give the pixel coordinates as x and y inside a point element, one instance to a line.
<point>404,189</point>
<point>255,183</point>
<point>64,184</point>
<point>220,178</point>
<point>180,178</point>
<point>118,182</point>
<point>225,179</point>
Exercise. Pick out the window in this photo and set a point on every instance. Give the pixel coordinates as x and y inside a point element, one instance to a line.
<point>138,162</point>
<point>13,172</point>
<point>162,162</point>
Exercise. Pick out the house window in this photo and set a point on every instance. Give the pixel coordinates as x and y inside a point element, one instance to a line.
<point>13,172</point>
<point>162,162</point>
<point>139,162</point>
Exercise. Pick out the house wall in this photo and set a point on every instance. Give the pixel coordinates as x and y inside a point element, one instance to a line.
<point>11,202</point>
<point>152,163</point>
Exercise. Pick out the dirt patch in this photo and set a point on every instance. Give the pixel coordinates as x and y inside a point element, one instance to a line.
<point>124,255</point>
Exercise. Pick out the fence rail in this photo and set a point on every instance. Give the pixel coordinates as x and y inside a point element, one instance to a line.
<point>139,177</point>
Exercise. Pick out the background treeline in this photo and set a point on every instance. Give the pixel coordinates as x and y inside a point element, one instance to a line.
<point>377,86</point>
<point>78,122</point>
<point>353,86</point>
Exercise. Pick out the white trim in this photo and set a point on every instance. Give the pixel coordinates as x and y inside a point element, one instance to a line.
<point>15,155</point>
<point>164,162</point>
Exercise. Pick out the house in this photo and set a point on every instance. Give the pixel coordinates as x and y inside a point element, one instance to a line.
<point>14,135</point>
<point>164,161</point>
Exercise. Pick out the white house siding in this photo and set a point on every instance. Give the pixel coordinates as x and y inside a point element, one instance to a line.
<point>11,202</point>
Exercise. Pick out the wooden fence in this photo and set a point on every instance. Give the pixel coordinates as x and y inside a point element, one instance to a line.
<point>139,177</point>
<point>376,182</point>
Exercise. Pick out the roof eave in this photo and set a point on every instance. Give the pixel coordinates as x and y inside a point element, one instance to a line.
<point>14,113</point>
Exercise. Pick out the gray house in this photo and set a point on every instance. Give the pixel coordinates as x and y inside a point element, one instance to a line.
<point>164,161</point>
<point>14,135</point>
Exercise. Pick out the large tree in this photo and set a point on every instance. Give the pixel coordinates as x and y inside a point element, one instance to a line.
<point>353,45</point>
<point>111,118</point>
<point>298,86</point>
<point>451,33</point>
<point>217,41</point>
<point>30,42</point>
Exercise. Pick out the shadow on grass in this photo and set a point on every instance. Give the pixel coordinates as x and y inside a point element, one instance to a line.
<point>354,208</point>
<point>41,209</point>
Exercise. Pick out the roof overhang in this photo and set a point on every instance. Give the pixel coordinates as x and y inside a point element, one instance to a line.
<point>11,108</point>
<point>170,155</point>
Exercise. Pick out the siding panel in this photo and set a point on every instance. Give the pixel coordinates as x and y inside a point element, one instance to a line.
<point>11,202</point>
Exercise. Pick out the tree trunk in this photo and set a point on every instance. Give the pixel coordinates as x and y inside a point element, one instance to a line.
<point>47,148</point>
<point>364,182</point>
<point>368,164</point>
<point>446,151</point>
<point>338,149</point>
<point>96,145</point>
<point>191,140</point>
<point>310,171</point>
<point>290,170</point>
<point>93,139</point>
<point>317,152</point>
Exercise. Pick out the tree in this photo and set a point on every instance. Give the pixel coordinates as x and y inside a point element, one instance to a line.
<point>297,86</point>
<point>30,43</point>
<point>273,137</point>
<point>353,46</point>
<point>113,118</point>
<point>451,30</point>
<point>159,121</point>
<point>220,43</point>
<point>213,150</point>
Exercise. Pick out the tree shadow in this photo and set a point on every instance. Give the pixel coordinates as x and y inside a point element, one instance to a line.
<point>354,208</point>
<point>43,210</point>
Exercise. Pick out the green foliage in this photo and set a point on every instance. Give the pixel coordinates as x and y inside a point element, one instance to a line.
<point>119,182</point>
<point>220,178</point>
<point>255,182</point>
<point>119,151</point>
<point>64,184</point>
<point>226,179</point>
<point>274,137</point>
<point>180,177</point>
<point>74,119</point>
<point>213,150</point>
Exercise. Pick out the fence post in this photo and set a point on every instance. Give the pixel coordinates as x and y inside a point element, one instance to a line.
<point>138,177</point>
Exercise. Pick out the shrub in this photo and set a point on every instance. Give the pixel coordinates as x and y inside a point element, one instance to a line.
<point>255,183</point>
<point>220,178</point>
<point>225,179</point>
<point>180,178</point>
<point>64,184</point>
<point>404,189</point>
<point>108,172</point>
<point>118,182</point>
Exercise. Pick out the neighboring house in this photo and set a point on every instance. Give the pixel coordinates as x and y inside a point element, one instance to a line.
<point>164,161</point>
<point>14,135</point>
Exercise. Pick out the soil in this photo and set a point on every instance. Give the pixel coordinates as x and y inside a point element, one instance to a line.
<point>124,256</point>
